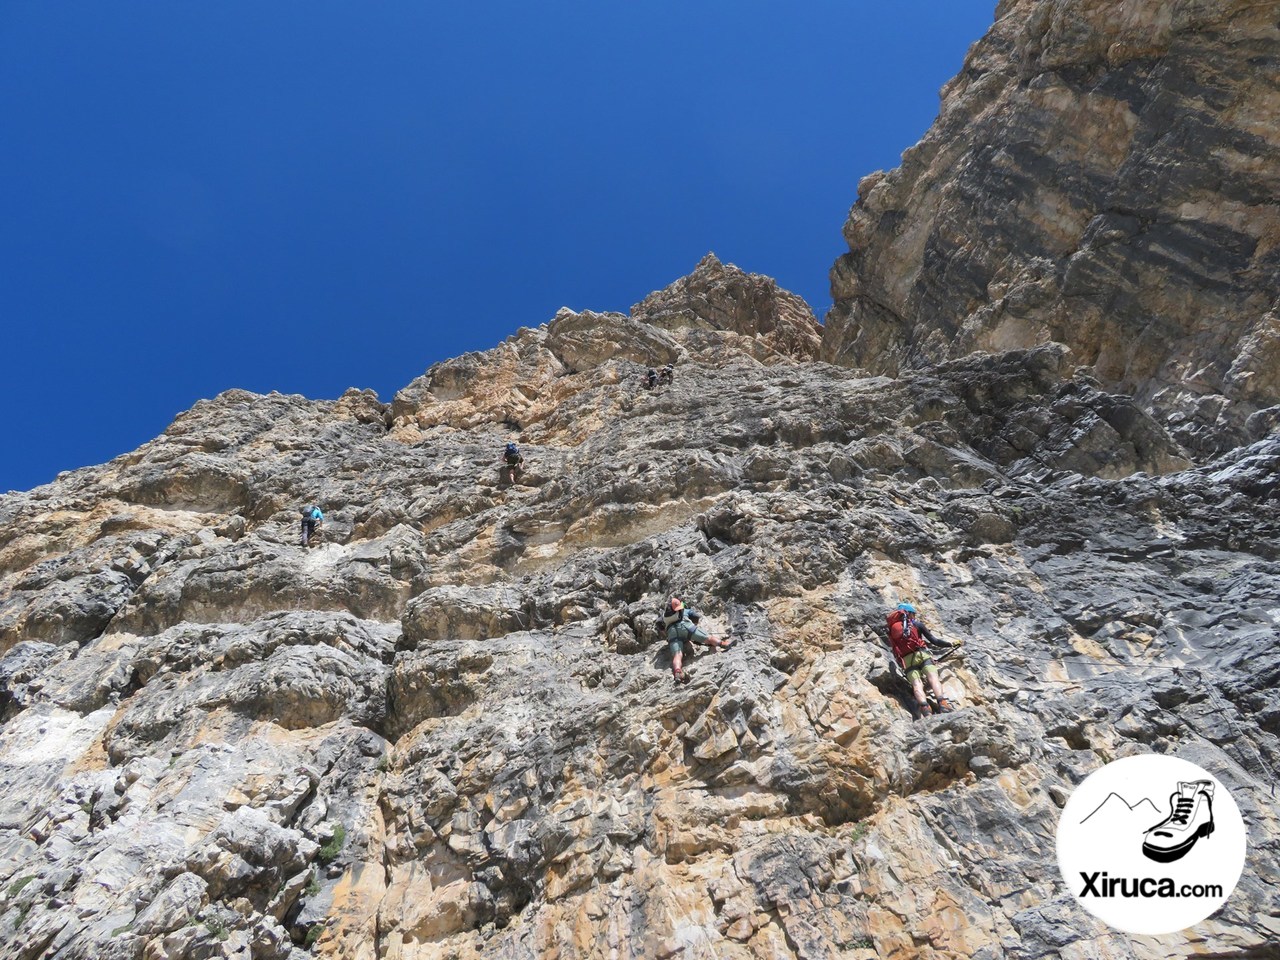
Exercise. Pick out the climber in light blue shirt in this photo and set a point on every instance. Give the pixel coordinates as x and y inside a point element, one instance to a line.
<point>311,518</point>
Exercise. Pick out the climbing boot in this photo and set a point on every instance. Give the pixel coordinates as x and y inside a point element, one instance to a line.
<point>1190,818</point>
<point>945,705</point>
<point>923,710</point>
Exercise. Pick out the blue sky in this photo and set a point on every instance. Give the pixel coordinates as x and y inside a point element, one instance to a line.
<point>309,196</point>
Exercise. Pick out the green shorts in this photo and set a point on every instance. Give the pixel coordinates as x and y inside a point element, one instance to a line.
<point>678,634</point>
<point>918,665</point>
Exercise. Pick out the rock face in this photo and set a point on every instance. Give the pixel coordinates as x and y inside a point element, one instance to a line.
<point>1104,174</point>
<point>449,729</point>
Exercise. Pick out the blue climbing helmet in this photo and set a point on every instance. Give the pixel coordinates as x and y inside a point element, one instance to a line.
<point>512,448</point>
<point>907,608</point>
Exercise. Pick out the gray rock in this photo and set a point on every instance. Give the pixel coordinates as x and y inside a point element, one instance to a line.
<point>1088,182</point>
<point>450,727</point>
<point>175,906</point>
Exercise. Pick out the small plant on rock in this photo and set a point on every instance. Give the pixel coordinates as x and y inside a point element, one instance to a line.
<point>217,929</point>
<point>329,852</point>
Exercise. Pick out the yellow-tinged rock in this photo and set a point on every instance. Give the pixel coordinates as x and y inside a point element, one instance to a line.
<point>717,745</point>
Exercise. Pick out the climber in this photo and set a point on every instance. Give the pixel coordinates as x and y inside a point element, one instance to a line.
<point>911,639</point>
<point>651,379</point>
<point>311,519</point>
<point>681,625</point>
<point>668,374</point>
<point>512,463</point>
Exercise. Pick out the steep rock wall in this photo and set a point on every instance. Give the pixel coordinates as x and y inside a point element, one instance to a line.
<point>450,729</point>
<point>1102,173</point>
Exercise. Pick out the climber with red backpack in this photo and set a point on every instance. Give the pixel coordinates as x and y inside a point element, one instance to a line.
<point>911,640</point>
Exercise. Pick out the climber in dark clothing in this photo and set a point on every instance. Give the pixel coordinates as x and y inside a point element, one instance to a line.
<point>651,379</point>
<point>512,463</point>
<point>681,625</point>
<point>311,518</point>
<point>911,640</point>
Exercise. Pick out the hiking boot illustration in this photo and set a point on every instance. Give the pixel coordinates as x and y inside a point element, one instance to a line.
<point>1190,818</point>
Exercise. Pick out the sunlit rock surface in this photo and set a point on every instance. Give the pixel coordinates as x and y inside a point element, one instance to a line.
<point>1102,173</point>
<point>449,729</point>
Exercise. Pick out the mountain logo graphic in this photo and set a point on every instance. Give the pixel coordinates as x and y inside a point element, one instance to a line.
<point>1143,865</point>
<point>1190,817</point>
<point>1142,807</point>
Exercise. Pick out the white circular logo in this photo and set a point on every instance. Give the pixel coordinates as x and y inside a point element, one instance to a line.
<point>1151,844</point>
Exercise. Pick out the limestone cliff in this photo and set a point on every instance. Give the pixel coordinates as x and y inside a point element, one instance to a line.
<point>1104,174</point>
<point>1043,408</point>
<point>450,730</point>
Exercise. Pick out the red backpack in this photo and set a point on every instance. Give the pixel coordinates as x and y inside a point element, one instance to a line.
<point>904,636</point>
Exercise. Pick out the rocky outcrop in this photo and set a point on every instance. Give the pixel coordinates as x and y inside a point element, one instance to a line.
<point>450,729</point>
<point>1103,174</point>
<point>715,297</point>
<point>716,311</point>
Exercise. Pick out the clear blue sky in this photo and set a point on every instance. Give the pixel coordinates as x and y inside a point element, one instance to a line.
<point>309,196</point>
